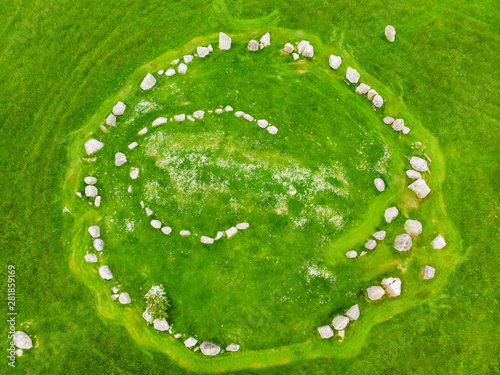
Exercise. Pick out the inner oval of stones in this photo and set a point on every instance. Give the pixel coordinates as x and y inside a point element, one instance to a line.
<point>417,169</point>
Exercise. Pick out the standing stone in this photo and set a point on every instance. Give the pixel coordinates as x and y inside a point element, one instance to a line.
<point>248,117</point>
<point>133,145</point>
<point>22,340</point>
<point>272,129</point>
<point>207,240</point>
<point>403,242</point>
<point>224,41</point>
<point>262,123</point>
<point>148,82</point>
<point>398,124</point>
<point>340,322</point>
<point>438,242</point>
<point>420,188</point>
<point>428,272</point>
<point>199,114</point>
<point>371,244</point>
<point>185,233</point>
<point>413,174</point>
<point>182,68</point>
<point>228,108</point>
<point>166,230</point>
<point>120,159</point>
<point>295,56</point>
<point>380,235</point>
<point>265,40</point>
<point>302,46</point>
<point>147,316</point>
<point>119,109</point>
<point>105,273</point>
<point>390,214</point>
<point>378,101</point>
<point>231,232</point>
<point>242,226</point>
<point>289,48</point>
<point>190,342</point>
<point>390,33</point>
<point>335,61</point>
<point>353,312</point>
<point>375,292</point>
<point>90,191</point>
<point>111,120</point>
<point>124,298</point>
<point>363,88</point>
<point>170,72</point>
<point>93,145</point>
<point>308,51</point>
<point>156,224</point>
<point>392,286</point>
<point>134,173</point>
<point>253,45</point>
<point>207,348</point>
<point>159,121</point>
<point>219,235</point>
<point>379,184</point>
<point>94,231</point>
<point>188,58</point>
<point>352,75</point>
<point>413,227</point>
<point>419,164</point>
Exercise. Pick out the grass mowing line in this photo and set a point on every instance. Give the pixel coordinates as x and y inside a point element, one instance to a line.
<point>246,357</point>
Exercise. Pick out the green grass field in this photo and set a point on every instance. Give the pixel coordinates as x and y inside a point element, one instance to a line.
<point>65,65</point>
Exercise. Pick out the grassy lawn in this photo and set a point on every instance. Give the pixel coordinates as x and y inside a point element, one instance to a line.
<point>64,66</point>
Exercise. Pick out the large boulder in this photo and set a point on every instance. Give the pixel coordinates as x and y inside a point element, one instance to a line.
<point>159,121</point>
<point>241,226</point>
<point>233,348</point>
<point>363,88</point>
<point>392,286</point>
<point>253,45</point>
<point>420,188</point>
<point>340,322</point>
<point>188,58</point>
<point>147,316</point>
<point>272,129</point>
<point>134,173</point>
<point>325,332</point>
<point>413,174</point>
<point>224,41</point>
<point>262,123</point>
<point>419,164</point>
<point>428,272</point>
<point>335,61</point>
<point>207,240</point>
<point>390,214</point>
<point>265,40</point>
<point>352,75</point>
<point>124,298</point>
<point>182,68</point>
<point>185,233</point>
<point>380,235</point>
<point>90,191</point>
<point>148,82</point>
<point>198,114</point>
<point>390,33</point>
<point>388,120</point>
<point>379,184</point>
<point>302,46</point>
<point>120,159</point>
<point>208,348</point>
<point>190,342</point>
<point>403,242</point>
<point>375,292</point>
<point>161,324</point>
<point>166,230</point>
<point>156,224</point>
<point>438,242</point>
<point>170,72</point>
<point>22,340</point>
<point>94,231</point>
<point>398,124</point>
<point>413,227</point>
<point>93,145</point>
<point>371,94</point>
<point>353,312</point>
<point>105,273</point>
<point>119,109</point>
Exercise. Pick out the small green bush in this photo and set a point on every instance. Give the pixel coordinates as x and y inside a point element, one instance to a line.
<point>157,302</point>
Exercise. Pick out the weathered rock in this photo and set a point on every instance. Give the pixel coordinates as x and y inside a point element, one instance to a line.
<point>98,244</point>
<point>210,48</point>
<point>177,336</point>
<point>120,159</point>
<point>289,48</point>
<point>353,312</point>
<point>22,340</point>
<point>228,108</point>
<point>149,211</point>
<point>375,292</point>
<point>428,272</point>
<point>398,124</point>
<point>370,245</point>
<point>390,33</point>
<point>392,286</point>
<point>161,324</point>
<point>241,226</point>
<point>119,109</point>
<point>413,174</point>
<point>90,180</point>
<point>142,131</point>
<point>156,224</point>
<point>182,68</point>
<point>253,45</point>
<point>94,231</point>
<point>362,88</point>
<point>352,75</point>
<point>335,61</point>
<point>262,123</point>
<point>148,82</point>
<point>19,352</point>
<point>180,118</point>
<point>351,254</point>
<point>219,235</point>
<point>185,233</point>
<point>160,72</point>
<point>239,113</point>
<point>403,242</point>
<point>295,56</point>
<point>111,120</point>
<point>233,348</point>
<point>170,72</point>
<point>90,191</point>
<point>190,342</point>
<point>371,94</point>
<point>115,289</point>
<point>208,348</point>
<point>363,253</point>
<point>265,40</point>
<point>105,273</point>
<point>341,334</point>
<point>93,145</point>
<point>340,322</point>
<point>380,235</point>
<point>302,46</point>
<point>114,297</point>
<point>133,145</point>
<point>247,117</point>
<point>390,214</point>
<point>219,111</point>
<point>202,51</point>
<point>187,58</point>
<point>405,130</point>
<point>413,227</point>
<point>147,316</point>
<point>325,332</point>
<point>207,240</point>
<point>378,101</point>
<point>166,230</point>
<point>134,173</point>
<point>124,298</point>
<point>418,164</point>
<point>224,41</point>
<point>438,242</point>
<point>91,258</point>
<point>379,184</point>
<point>420,188</point>
<point>308,51</point>
<point>388,120</point>
<point>231,232</point>
<point>272,129</point>
<point>175,62</point>
<point>199,114</point>
<point>159,121</point>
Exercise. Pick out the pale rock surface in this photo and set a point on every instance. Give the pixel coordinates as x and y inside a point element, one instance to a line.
<point>233,348</point>
<point>398,124</point>
<point>156,224</point>
<point>207,348</point>
<point>371,244</point>
<point>93,145</point>
<point>91,258</point>
<point>159,121</point>
<point>148,82</point>
<point>363,253</point>
<point>22,340</point>
<point>371,94</point>
<point>418,164</point>
<point>420,188</point>
<point>219,111</point>
<point>388,120</point>
<point>149,211</point>
<point>413,227</point>
<point>190,342</point>
<point>207,240</point>
<point>166,230</point>
<point>142,131</point>
<point>90,180</point>
<point>242,226</point>
<point>119,109</point>
<point>160,72</point>
<point>390,33</point>
<point>405,130</point>
<point>428,272</point>
<point>390,214</point>
<point>353,312</point>
<point>392,286</point>
<point>352,75</point>
<point>202,51</point>
<point>120,159</point>
<point>341,335</point>
<point>147,316</point>
<point>247,117</point>
<point>379,184</point>
<point>228,108</point>
<point>219,235</point>
<point>199,114</point>
<point>375,292</point>
<point>224,41</point>
<point>340,322</point>
<point>262,123</point>
<point>335,61</point>
<point>19,352</point>
<point>124,298</point>
<point>302,46</point>
<point>253,45</point>
<point>272,129</point>
<point>295,56</point>
<point>403,242</point>
<point>378,101</point>
<point>438,242</point>
<point>180,118</point>
<point>98,244</point>
<point>265,40</point>
<point>185,233</point>
<point>134,173</point>
<point>175,62</point>
<point>289,48</point>
<point>308,51</point>
<point>111,120</point>
<point>182,68</point>
<point>239,113</point>
<point>363,88</point>
<point>413,174</point>
<point>380,235</point>
<point>210,48</point>
<point>161,324</point>
<point>94,231</point>
<point>231,232</point>
<point>170,72</point>
<point>325,332</point>
<point>105,273</point>
<point>133,145</point>
<point>90,191</point>
<point>351,254</point>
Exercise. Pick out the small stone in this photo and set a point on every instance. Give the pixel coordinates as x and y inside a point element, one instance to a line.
<point>124,298</point>
<point>89,180</point>
<point>392,286</point>
<point>90,191</point>
<point>185,233</point>
<point>114,289</point>
<point>90,258</point>
<point>180,118</point>
<point>231,232</point>
<point>413,227</point>
<point>134,173</point>
<point>149,212</point>
<point>289,48</point>
<point>398,124</point>
<point>228,108</point>
<point>166,230</point>
<point>160,72</point>
<point>390,214</point>
<point>224,41</point>
<point>159,121</point>
<point>177,336</point>
<point>262,123</point>
<point>242,226</point>
<point>413,174</point>
<point>335,61</point>
<point>233,348</point>
<point>148,82</point>
<point>438,242</point>
<point>378,101</point>
<point>265,40</point>
<point>247,117</point>
<point>119,109</point>
<point>190,342</point>
<point>403,242</point>
<point>341,334</point>
<point>352,75</point>
<point>156,224</point>
<point>19,352</point>
<point>302,46</point>
<point>133,145</point>
<point>98,244</point>
<point>207,348</point>
<point>353,312</point>
<point>362,88</point>
<point>428,272</point>
<point>207,240</point>
<point>325,332</point>
<point>22,340</point>
<point>390,33</point>
<point>295,56</point>
<point>188,58</point>
<point>175,62</point>
<point>388,120</point>
<point>420,188</point>
<point>419,164</point>
<point>111,120</point>
<point>105,273</point>
<point>379,184</point>
<point>210,48</point>
<point>308,51</point>
<point>219,235</point>
<point>93,145</point>
<point>371,94</point>
<point>120,159</point>
<point>380,235</point>
<point>161,324</point>
<point>142,131</point>
<point>199,114</point>
<point>375,292</point>
<point>370,245</point>
<point>239,113</point>
<point>405,130</point>
<point>363,253</point>
<point>351,254</point>
<point>272,129</point>
<point>340,322</point>
<point>202,51</point>
<point>182,68</point>
<point>253,45</point>
<point>170,72</point>
<point>129,189</point>
<point>94,231</point>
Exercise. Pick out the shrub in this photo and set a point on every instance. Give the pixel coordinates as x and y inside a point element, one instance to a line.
<point>157,302</point>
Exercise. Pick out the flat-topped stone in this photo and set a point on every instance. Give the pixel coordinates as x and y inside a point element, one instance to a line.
<point>105,273</point>
<point>392,286</point>
<point>413,174</point>
<point>159,121</point>
<point>224,41</point>
<point>156,224</point>
<point>403,242</point>
<point>420,188</point>
<point>352,75</point>
<point>199,114</point>
<point>334,61</point>
<point>180,118</point>
<point>253,45</point>
<point>161,324</point>
<point>98,244</point>
<point>207,348</point>
<point>265,40</point>
<point>206,240</point>
<point>371,244</point>
<point>119,109</point>
<point>413,227</point>
<point>390,33</point>
<point>134,173</point>
<point>378,101</point>
<point>438,242</point>
<point>241,226</point>
<point>247,117</point>
<point>93,145</point>
<point>239,113</point>
<point>428,272</point>
<point>133,145</point>
<point>94,231</point>
<point>185,233</point>
<point>166,230</point>
<point>379,184</point>
<point>418,164</point>
<point>272,129</point>
<point>90,191</point>
<point>90,258</point>
<point>142,131</point>
<point>375,292</point>
<point>170,72</point>
<point>353,312</point>
<point>390,214</point>
<point>363,88</point>
<point>190,342</point>
<point>380,235</point>
<point>90,180</point>
<point>219,235</point>
<point>231,232</point>
<point>371,94</point>
<point>289,48</point>
<point>219,111</point>
<point>124,298</point>
<point>22,340</point>
<point>120,159</point>
<point>111,120</point>
<point>202,51</point>
<point>148,82</point>
<point>340,322</point>
<point>147,316</point>
<point>182,68</point>
<point>302,46</point>
<point>149,211</point>
<point>187,58</point>
<point>308,51</point>
<point>295,56</point>
<point>325,332</point>
<point>388,120</point>
<point>351,254</point>
<point>262,123</point>
<point>398,124</point>
<point>233,348</point>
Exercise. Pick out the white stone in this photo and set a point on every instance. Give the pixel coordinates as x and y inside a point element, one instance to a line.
<point>90,180</point>
<point>219,235</point>
<point>390,33</point>
<point>134,173</point>
<point>272,129</point>
<point>231,232</point>
<point>335,61</point>
<point>388,120</point>
<point>341,334</point>
<point>114,289</point>
<point>147,316</point>
<point>105,273</point>
<point>202,51</point>
<point>199,114</point>
<point>428,272</point>
<point>156,224</point>
<point>166,230</point>
<point>413,227</point>
<point>371,94</point>
<point>224,41</point>
<point>159,121</point>
<point>190,342</point>
<point>302,46</point>
<point>375,292</point>
<point>160,72</point>
<point>129,189</point>
<point>111,120</point>
<point>185,233</point>
<point>119,109</point>
<point>207,348</point>
<point>22,340</point>
<point>363,88</point>
<point>405,130</point>
<point>177,336</point>
<point>438,242</point>
<point>161,324</point>
<point>378,101</point>
<point>170,72</point>
<point>325,332</point>
<point>413,174</point>
<point>239,113</point>
<point>392,286</point>
<point>390,214</point>
<point>352,75</point>
<point>180,118</point>
<point>289,48</point>
<point>124,298</point>
<point>98,244</point>
<point>340,322</point>
<point>120,159</point>
<point>363,253</point>
<point>398,124</point>
<point>403,242</point>
<point>210,48</point>
<point>228,108</point>
<point>207,240</point>
<point>149,212</point>
<point>93,145</point>
<point>148,82</point>
<point>380,235</point>
<point>114,297</point>
<point>142,131</point>
<point>90,258</point>
<point>351,254</point>
<point>219,111</point>
<point>133,145</point>
<point>247,117</point>
<point>353,312</point>
<point>182,68</point>
<point>295,56</point>
<point>19,352</point>
<point>262,123</point>
<point>175,62</point>
<point>233,348</point>
<point>90,191</point>
<point>371,244</point>
<point>419,164</point>
<point>242,226</point>
<point>379,184</point>
<point>94,231</point>
<point>420,188</point>
<point>308,51</point>
<point>253,45</point>
<point>188,58</point>
<point>265,40</point>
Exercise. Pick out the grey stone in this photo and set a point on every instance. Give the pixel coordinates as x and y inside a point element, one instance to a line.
<point>91,258</point>
<point>90,180</point>
<point>98,244</point>
<point>253,45</point>
<point>380,235</point>
<point>353,312</point>
<point>190,342</point>
<point>94,231</point>
<point>111,120</point>
<point>93,145</point>
<point>438,242</point>
<point>371,244</point>
<point>105,273</point>
<point>428,272</point>
<point>233,348</point>
<point>403,242</point>
<point>351,254</point>
<point>363,88</point>
<point>418,164</point>
<point>90,191</point>
<point>413,227</point>
<point>119,109</point>
<point>340,322</point>
<point>124,298</point>
<point>148,82</point>
<point>392,286</point>
<point>375,292</point>
<point>413,174</point>
<point>390,214</point>
<point>420,188</point>
<point>352,75</point>
<point>335,61</point>
<point>325,332</point>
<point>207,348</point>
<point>120,159</point>
<point>161,324</point>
